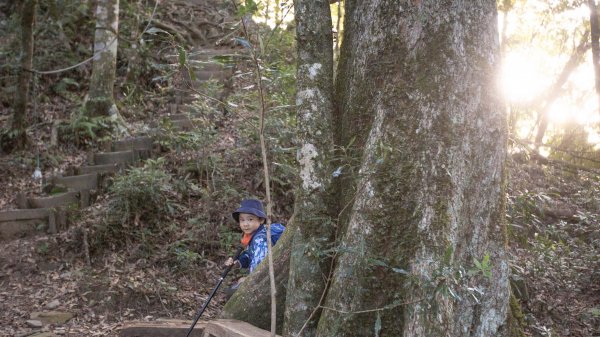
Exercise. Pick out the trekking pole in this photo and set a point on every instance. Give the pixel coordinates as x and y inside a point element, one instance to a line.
<point>212,294</point>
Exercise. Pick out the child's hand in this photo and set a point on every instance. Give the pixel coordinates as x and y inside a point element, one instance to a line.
<point>230,262</point>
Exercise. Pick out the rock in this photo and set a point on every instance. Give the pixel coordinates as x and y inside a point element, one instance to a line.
<point>34,323</point>
<point>52,317</point>
<point>53,305</point>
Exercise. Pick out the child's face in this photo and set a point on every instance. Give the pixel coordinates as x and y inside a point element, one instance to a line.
<point>249,223</point>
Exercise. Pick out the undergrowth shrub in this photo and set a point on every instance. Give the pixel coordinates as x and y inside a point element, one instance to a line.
<point>141,201</point>
<point>85,130</point>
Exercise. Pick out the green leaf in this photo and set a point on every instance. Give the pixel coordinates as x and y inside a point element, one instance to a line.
<point>454,294</point>
<point>448,255</point>
<point>243,42</point>
<point>249,8</point>
<point>486,260</point>
<point>378,263</point>
<point>191,73</point>
<point>261,44</point>
<point>182,56</point>
<point>154,30</point>
<point>378,324</point>
<point>400,271</point>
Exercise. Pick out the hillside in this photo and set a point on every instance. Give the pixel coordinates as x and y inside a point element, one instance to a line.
<point>161,257</point>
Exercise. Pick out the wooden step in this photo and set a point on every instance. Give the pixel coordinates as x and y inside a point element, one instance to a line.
<point>160,328</point>
<point>79,182</point>
<point>106,168</point>
<point>62,199</point>
<point>117,157</point>
<point>214,328</point>
<point>22,222</point>
<point>209,66</point>
<point>25,214</point>
<point>136,143</point>
<point>180,121</point>
<point>208,54</point>
<point>206,75</point>
<point>233,328</point>
<point>178,117</point>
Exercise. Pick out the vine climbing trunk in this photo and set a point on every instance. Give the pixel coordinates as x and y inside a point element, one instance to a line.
<point>100,101</point>
<point>314,210</point>
<point>19,122</point>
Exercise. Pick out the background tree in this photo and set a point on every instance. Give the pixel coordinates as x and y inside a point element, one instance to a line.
<point>595,39</point>
<point>418,114</point>
<point>557,88</point>
<point>17,137</point>
<point>100,101</point>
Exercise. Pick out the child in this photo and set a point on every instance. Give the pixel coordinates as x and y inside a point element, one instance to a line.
<point>251,218</point>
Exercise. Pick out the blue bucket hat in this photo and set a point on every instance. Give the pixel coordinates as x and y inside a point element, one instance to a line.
<point>249,206</point>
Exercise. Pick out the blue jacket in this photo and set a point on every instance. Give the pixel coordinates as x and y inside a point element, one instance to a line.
<point>257,249</point>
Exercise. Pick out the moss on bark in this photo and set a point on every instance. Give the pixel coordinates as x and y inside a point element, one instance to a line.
<point>516,319</point>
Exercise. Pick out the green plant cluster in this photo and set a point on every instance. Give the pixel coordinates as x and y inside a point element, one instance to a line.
<point>141,202</point>
<point>85,130</point>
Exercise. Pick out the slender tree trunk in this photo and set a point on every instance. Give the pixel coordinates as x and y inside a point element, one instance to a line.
<point>556,89</point>
<point>595,37</point>
<point>19,124</point>
<point>100,97</point>
<point>314,211</point>
<point>418,86</point>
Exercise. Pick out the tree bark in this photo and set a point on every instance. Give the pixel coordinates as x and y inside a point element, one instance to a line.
<point>314,211</point>
<point>100,100</point>
<point>19,124</point>
<point>595,39</point>
<point>419,95</point>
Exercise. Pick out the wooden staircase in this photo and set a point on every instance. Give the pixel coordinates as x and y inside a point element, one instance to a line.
<point>78,187</point>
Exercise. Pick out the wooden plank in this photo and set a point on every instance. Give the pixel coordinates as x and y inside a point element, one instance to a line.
<point>25,214</point>
<point>233,328</point>
<point>161,328</point>
<point>62,199</point>
<point>78,183</point>
<point>117,157</point>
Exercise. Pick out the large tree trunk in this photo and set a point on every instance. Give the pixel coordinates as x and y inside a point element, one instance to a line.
<point>430,196</point>
<point>419,122</point>
<point>100,96</point>
<point>19,124</point>
<point>314,211</point>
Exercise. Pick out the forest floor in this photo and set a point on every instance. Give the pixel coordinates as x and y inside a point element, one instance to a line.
<point>554,253</point>
<point>554,245</point>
